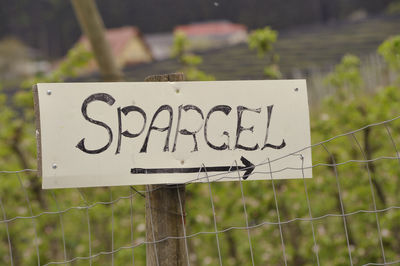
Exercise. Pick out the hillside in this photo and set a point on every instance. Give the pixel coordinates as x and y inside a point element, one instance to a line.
<point>51,26</point>
<point>301,50</point>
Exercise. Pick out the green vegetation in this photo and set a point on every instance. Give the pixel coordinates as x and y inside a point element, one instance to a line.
<point>188,60</point>
<point>390,50</point>
<point>393,8</point>
<point>263,41</point>
<point>304,53</point>
<point>351,108</point>
<point>110,224</point>
<point>14,57</point>
<point>346,77</point>
<point>18,151</point>
<point>76,59</point>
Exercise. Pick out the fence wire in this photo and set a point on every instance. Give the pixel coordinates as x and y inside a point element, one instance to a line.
<point>347,214</point>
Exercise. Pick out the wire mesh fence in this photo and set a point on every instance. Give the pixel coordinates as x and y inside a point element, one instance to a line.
<point>347,214</point>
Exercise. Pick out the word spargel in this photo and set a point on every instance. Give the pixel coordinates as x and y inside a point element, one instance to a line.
<point>148,128</point>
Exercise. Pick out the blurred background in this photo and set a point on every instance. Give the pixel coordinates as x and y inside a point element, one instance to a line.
<point>311,37</point>
<point>347,50</point>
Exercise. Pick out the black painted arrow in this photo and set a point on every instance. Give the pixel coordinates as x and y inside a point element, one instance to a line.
<point>248,168</point>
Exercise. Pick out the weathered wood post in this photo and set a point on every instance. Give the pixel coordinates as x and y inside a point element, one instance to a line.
<point>164,207</point>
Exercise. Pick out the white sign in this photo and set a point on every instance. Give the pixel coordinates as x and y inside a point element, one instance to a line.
<point>112,134</point>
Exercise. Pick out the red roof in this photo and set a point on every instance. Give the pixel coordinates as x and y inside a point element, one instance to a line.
<point>210,28</point>
<point>118,38</point>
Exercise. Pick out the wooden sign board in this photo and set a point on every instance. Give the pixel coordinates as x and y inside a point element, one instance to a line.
<point>112,134</point>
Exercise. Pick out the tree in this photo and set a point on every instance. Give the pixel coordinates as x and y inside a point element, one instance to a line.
<point>390,50</point>
<point>346,77</point>
<point>263,41</point>
<point>189,61</point>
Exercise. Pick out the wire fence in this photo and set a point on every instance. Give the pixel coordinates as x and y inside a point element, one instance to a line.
<point>347,214</point>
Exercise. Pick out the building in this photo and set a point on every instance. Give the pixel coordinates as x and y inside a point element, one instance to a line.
<point>160,44</point>
<point>202,36</point>
<point>213,34</point>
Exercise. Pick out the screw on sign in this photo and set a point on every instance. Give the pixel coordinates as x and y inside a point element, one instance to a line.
<point>171,133</point>
<point>140,133</point>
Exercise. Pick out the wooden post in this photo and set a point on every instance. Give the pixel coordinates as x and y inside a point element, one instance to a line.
<point>164,207</point>
<point>93,27</point>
